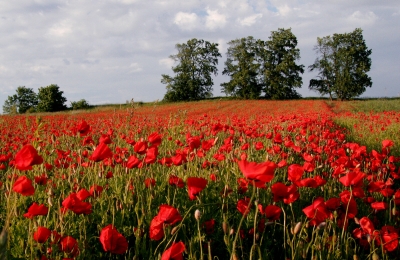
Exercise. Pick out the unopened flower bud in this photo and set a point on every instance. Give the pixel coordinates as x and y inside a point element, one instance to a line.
<point>355,257</point>
<point>375,256</point>
<point>197,214</point>
<point>174,230</point>
<point>321,225</point>
<point>297,228</point>
<point>225,227</point>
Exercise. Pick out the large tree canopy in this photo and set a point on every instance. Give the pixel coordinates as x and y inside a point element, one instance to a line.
<point>197,60</point>
<point>243,67</point>
<point>25,99</point>
<point>270,66</point>
<point>51,99</point>
<point>343,63</point>
<point>280,71</point>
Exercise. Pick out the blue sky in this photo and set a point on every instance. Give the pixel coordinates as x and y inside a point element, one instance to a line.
<point>109,51</point>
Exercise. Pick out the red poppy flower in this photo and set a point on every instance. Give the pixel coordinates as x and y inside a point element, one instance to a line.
<point>154,139</point>
<point>193,142</point>
<point>316,212</point>
<point>70,246</point>
<point>149,182</point>
<point>27,157</point>
<point>195,186</point>
<point>83,194</point>
<point>41,180</point>
<point>169,215</point>
<point>23,185</point>
<point>151,155</point>
<point>140,147</point>
<point>83,128</point>
<point>36,210</point>
<point>41,235</point>
<point>112,241</point>
<point>133,162</point>
<point>101,152</point>
<point>105,139</point>
<point>243,206</point>
<point>95,190</point>
<point>353,179</point>
<point>174,252</point>
<point>176,181</point>
<point>209,226</point>
<point>272,212</point>
<point>288,194</point>
<point>390,238</point>
<point>263,172</point>
<point>72,202</point>
<point>156,231</point>
<point>295,172</point>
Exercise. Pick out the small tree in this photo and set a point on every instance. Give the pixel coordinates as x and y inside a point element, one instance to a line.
<point>24,100</point>
<point>280,71</point>
<point>343,64</point>
<point>243,68</point>
<point>197,61</point>
<point>51,99</point>
<point>81,104</point>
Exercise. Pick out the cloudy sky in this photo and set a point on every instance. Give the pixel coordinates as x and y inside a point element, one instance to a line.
<point>109,51</point>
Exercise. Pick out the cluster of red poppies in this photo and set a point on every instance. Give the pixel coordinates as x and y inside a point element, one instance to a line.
<point>203,157</point>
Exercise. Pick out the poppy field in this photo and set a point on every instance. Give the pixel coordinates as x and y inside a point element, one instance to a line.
<point>201,180</point>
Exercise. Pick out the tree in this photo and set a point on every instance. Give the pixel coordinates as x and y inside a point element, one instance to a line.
<point>192,81</point>
<point>81,104</point>
<point>24,100</point>
<point>243,68</point>
<point>343,64</point>
<point>51,99</point>
<point>281,74</point>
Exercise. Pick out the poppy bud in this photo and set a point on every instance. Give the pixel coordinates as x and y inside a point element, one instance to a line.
<point>357,221</point>
<point>232,231</point>
<point>50,201</point>
<point>375,256</point>
<point>197,214</point>
<point>297,228</point>
<point>355,257</point>
<point>225,227</point>
<point>394,211</point>
<point>321,225</point>
<point>174,230</point>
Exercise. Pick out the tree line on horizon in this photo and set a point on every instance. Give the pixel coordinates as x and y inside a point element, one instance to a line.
<point>269,68</point>
<point>48,99</point>
<point>257,69</point>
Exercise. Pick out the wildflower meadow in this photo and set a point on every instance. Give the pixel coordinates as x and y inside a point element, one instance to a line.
<point>219,179</point>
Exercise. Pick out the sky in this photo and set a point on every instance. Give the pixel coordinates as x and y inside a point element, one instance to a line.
<point>110,51</point>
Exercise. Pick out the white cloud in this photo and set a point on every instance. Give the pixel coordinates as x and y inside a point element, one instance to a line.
<point>215,20</point>
<point>186,21</point>
<point>363,18</point>
<point>250,20</point>
<point>284,10</point>
<point>167,62</point>
<point>61,29</point>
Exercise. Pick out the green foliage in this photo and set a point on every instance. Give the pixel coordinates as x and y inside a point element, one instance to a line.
<point>242,66</point>
<point>81,104</point>
<point>25,100</point>
<point>281,73</point>
<point>343,64</point>
<point>192,81</point>
<point>255,66</point>
<point>51,99</point>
